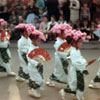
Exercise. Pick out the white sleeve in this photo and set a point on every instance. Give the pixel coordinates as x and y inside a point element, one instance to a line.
<point>78,61</point>
<point>63,54</point>
<point>4,44</point>
<point>32,61</point>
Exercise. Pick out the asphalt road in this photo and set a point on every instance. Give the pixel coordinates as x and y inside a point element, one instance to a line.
<point>12,90</point>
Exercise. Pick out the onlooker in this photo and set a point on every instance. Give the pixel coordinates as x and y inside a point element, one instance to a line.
<point>36,23</point>
<point>43,27</point>
<point>24,11</point>
<point>32,12</point>
<point>50,25</point>
<point>42,13</point>
<point>43,24</point>
<point>32,8</point>
<point>77,25</point>
<point>61,20</point>
<point>66,10</point>
<point>85,12</point>
<point>21,19</point>
<point>52,8</point>
<point>74,10</point>
<point>13,19</point>
<point>40,4</point>
<point>85,27</point>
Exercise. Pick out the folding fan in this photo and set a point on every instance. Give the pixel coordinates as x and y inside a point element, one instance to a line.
<point>41,53</point>
<point>63,47</point>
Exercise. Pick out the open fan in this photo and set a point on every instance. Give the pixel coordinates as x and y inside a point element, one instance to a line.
<point>41,53</point>
<point>63,47</point>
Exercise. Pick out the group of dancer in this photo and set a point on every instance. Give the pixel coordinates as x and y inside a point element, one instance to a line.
<point>70,65</point>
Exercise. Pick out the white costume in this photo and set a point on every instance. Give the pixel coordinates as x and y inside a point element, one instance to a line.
<point>35,71</point>
<point>23,47</point>
<point>60,73</point>
<point>5,54</point>
<point>96,80</point>
<point>77,68</point>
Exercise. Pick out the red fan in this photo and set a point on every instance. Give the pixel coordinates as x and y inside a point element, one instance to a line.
<point>41,53</point>
<point>63,47</point>
<point>91,62</point>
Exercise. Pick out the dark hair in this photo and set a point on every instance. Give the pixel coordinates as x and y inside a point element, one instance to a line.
<point>33,37</point>
<point>21,31</point>
<point>53,17</point>
<point>69,39</point>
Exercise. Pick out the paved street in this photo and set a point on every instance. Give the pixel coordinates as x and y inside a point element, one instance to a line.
<point>12,90</point>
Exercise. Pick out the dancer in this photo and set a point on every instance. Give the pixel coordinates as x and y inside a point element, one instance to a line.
<point>23,47</point>
<point>78,66</point>
<point>95,83</point>
<point>35,66</point>
<point>60,73</point>
<point>5,54</point>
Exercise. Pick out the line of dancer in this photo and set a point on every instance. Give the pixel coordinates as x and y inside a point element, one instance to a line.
<point>70,66</point>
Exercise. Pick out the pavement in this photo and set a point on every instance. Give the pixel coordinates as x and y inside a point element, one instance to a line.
<point>12,90</point>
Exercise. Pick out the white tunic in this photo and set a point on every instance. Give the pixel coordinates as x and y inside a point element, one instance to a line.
<point>58,70</point>
<point>78,63</point>
<point>23,47</point>
<point>32,64</point>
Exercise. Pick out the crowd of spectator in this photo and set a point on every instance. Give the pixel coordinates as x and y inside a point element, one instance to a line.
<point>44,14</point>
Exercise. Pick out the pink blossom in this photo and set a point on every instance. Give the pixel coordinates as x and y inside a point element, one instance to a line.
<point>41,35</point>
<point>88,37</point>
<point>3,22</point>
<point>59,27</point>
<point>99,26</point>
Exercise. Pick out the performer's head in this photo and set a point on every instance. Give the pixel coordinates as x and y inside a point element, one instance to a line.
<point>77,44</point>
<point>25,34</point>
<point>62,35</point>
<point>35,39</point>
<point>36,36</point>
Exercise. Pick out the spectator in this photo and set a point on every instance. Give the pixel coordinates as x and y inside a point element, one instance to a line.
<point>13,19</point>
<point>18,6</point>
<point>50,25</point>
<point>85,12</point>
<point>32,12</point>
<point>92,29</point>
<point>3,5</point>
<point>52,8</point>
<point>61,20</point>
<point>85,27</point>
<point>32,9</point>
<point>43,26</point>
<point>66,10</point>
<point>21,19</point>
<point>77,25</point>
<point>24,11</point>
<point>42,13</point>
<point>74,10</point>
<point>40,4</point>
<point>36,23</point>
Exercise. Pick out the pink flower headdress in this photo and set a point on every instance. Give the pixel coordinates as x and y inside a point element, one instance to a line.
<point>76,35</point>
<point>40,34</point>
<point>3,22</point>
<point>27,27</point>
<point>99,26</point>
<point>58,28</point>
